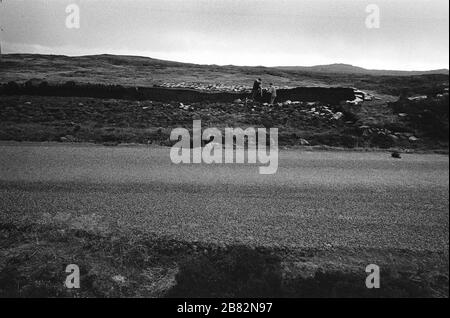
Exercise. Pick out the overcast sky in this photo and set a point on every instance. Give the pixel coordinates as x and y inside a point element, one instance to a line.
<point>413,34</point>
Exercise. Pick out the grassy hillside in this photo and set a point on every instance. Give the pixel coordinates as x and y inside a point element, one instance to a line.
<point>383,122</point>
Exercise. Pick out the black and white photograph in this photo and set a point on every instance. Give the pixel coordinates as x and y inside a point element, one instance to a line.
<point>223,155</point>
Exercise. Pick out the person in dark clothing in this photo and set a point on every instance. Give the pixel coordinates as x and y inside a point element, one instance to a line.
<point>257,91</point>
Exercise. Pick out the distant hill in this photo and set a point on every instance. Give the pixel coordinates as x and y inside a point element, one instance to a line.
<point>350,69</point>
<point>329,68</point>
<point>142,61</point>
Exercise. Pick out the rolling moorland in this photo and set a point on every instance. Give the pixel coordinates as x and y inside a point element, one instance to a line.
<point>391,118</point>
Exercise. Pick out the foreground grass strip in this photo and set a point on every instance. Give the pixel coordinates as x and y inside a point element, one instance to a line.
<point>33,259</point>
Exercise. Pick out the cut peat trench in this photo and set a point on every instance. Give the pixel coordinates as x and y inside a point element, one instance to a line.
<point>34,258</point>
<point>331,95</point>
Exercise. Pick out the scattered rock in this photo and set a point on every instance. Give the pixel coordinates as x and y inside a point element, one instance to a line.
<point>394,137</point>
<point>209,87</point>
<point>67,138</point>
<point>70,138</point>
<point>119,279</point>
<point>396,155</point>
<point>304,142</point>
<point>419,97</point>
<point>413,138</point>
<point>356,101</point>
<point>338,116</point>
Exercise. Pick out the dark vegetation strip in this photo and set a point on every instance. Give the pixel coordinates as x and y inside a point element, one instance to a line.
<point>72,89</point>
<point>34,257</point>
